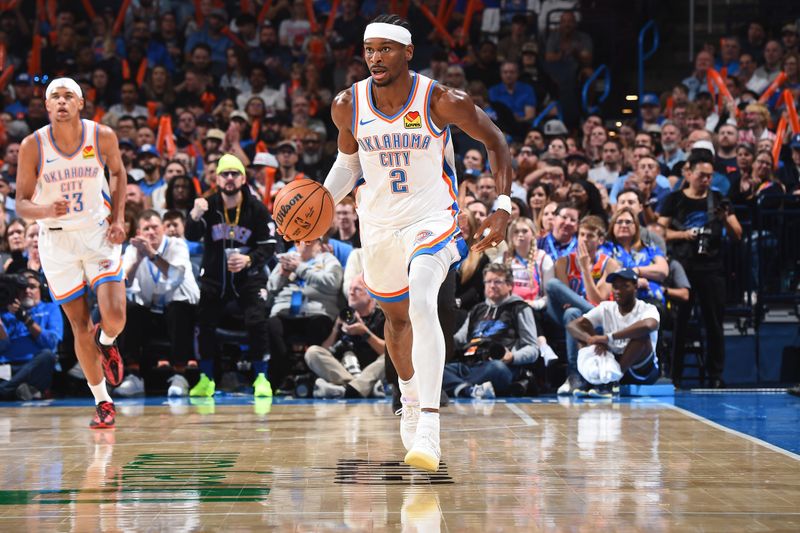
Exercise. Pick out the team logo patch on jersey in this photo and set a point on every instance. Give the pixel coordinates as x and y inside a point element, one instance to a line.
<point>412,120</point>
<point>422,236</point>
<point>105,264</point>
<point>88,152</point>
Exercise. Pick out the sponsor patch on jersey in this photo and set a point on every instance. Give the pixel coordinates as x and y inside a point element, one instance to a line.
<point>104,265</point>
<point>422,236</point>
<point>412,120</point>
<point>88,152</point>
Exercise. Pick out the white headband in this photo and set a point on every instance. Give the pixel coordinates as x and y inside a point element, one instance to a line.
<point>381,30</point>
<point>66,83</point>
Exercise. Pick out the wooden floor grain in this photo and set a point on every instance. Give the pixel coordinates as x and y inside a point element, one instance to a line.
<point>337,467</point>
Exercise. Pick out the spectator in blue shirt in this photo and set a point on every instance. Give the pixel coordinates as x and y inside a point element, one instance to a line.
<point>729,53</point>
<point>519,97</point>
<point>212,36</point>
<point>23,91</point>
<point>30,331</point>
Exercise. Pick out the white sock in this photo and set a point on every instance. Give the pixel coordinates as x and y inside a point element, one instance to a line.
<point>409,389</point>
<point>425,277</point>
<point>105,340</point>
<point>100,392</point>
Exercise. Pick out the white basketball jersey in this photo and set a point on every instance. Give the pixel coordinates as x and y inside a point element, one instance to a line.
<point>77,177</point>
<point>407,163</point>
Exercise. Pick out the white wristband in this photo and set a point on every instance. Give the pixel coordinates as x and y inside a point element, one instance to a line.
<point>503,203</point>
<point>610,338</point>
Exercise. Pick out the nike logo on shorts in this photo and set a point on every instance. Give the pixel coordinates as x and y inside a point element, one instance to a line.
<point>365,122</point>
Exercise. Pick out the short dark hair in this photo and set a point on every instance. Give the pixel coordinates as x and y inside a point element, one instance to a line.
<point>501,270</point>
<point>147,214</point>
<point>639,194</point>
<point>698,156</point>
<point>393,19</point>
<point>173,214</point>
<point>565,205</point>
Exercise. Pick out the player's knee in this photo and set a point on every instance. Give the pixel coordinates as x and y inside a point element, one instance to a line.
<point>398,324</point>
<point>422,306</point>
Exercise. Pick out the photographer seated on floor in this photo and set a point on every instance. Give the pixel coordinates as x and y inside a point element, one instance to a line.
<point>497,341</point>
<point>350,362</point>
<point>625,351</point>
<point>30,331</point>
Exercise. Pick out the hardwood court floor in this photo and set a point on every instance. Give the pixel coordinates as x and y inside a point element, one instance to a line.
<point>328,466</point>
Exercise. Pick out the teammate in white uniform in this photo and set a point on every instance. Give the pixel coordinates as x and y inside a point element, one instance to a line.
<point>393,129</point>
<point>62,183</point>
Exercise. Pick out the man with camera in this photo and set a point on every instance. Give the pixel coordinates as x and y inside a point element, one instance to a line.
<point>30,331</point>
<point>355,343</point>
<point>497,340</point>
<point>695,218</point>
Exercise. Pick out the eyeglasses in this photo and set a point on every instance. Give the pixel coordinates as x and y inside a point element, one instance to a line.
<point>763,162</point>
<point>624,222</point>
<point>230,174</point>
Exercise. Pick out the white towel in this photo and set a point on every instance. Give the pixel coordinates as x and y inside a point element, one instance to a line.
<point>598,369</point>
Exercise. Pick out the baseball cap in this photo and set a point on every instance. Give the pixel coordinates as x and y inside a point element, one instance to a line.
<point>215,133</point>
<point>554,128</point>
<point>239,114</point>
<point>625,273</point>
<point>789,28</point>
<point>126,142</point>
<point>650,99</point>
<point>285,144</point>
<point>23,78</point>
<point>265,159</point>
<point>229,162</point>
<point>148,149</point>
<point>530,48</point>
<point>795,141</point>
<point>578,157</point>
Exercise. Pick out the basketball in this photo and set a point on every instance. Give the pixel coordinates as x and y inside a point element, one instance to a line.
<point>303,210</point>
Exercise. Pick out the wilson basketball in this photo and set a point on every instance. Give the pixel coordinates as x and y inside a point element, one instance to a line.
<point>303,210</point>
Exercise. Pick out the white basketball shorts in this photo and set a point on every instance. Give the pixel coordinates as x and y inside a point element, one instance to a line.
<point>388,252</point>
<point>71,259</point>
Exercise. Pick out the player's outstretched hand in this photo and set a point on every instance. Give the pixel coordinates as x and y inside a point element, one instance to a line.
<point>115,233</point>
<point>496,223</point>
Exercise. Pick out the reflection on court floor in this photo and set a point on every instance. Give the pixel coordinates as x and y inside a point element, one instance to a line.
<point>324,466</point>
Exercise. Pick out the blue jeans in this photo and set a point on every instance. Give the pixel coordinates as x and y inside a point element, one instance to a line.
<point>565,305</point>
<point>38,373</point>
<point>500,374</point>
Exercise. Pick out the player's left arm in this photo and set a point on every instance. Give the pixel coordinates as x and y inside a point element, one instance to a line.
<point>117,182</point>
<point>451,106</point>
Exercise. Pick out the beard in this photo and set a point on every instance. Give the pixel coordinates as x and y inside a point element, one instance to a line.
<point>669,147</point>
<point>148,168</point>
<point>231,192</point>
<point>311,158</point>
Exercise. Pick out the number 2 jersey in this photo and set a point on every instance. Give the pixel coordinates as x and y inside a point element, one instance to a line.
<point>77,177</point>
<point>407,162</point>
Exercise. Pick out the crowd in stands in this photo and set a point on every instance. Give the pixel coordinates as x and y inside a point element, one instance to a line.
<point>185,89</point>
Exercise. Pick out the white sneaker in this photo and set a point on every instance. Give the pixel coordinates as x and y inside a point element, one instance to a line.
<point>572,383</point>
<point>409,416</point>
<point>483,391</point>
<point>351,364</point>
<point>131,386</point>
<point>325,389</point>
<point>425,452</point>
<point>378,390</point>
<point>178,386</point>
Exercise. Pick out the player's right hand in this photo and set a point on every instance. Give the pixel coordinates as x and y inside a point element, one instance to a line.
<point>58,208</point>
<point>200,207</point>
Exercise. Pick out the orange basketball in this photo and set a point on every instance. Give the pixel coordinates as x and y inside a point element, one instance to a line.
<point>303,210</point>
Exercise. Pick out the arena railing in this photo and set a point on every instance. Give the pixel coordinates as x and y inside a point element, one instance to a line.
<point>645,55</point>
<point>587,85</point>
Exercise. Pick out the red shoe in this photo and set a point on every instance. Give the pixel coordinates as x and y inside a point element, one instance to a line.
<point>112,360</point>
<point>104,417</point>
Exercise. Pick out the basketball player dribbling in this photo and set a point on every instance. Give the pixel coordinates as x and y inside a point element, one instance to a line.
<point>393,129</point>
<point>62,184</point>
